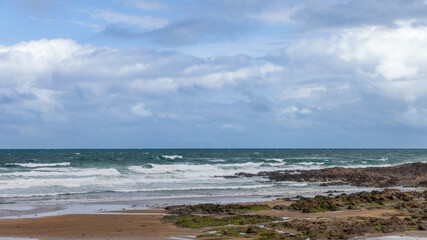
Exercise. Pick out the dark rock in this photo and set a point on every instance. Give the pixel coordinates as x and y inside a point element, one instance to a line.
<point>408,174</point>
<point>397,199</point>
<point>346,228</point>
<point>280,207</point>
<point>251,230</point>
<point>288,199</point>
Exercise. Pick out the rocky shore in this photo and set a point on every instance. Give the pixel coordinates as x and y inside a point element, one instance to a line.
<point>409,174</point>
<point>321,217</point>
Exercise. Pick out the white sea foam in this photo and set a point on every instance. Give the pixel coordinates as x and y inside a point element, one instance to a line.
<point>217,160</point>
<point>57,169</point>
<point>208,171</point>
<point>297,184</point>
<point>367,166</point>
<point>172,157</point>
<point>21,183</point>
<point>78,172</point>
<point>273,164</point>
<point>201,171</point>
<point>310,158</point>
<point>33,165</point>
<point>275,159</point>
<point>55,186</point>
<point>40,194</point>
<point>310,163</point>
<point>198,188</point>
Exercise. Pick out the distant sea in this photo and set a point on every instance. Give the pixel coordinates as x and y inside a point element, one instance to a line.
<point>116,175</point>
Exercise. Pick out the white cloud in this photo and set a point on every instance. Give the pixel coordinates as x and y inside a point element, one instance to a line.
<point>54,78</point>
<point>302,92</point>
<point>34,58</point>
<point>292,110</point>
<point>141,110</point>
<point>394,50</point>
<point>211,77</point>
<point>255,74</point>
<point>312,84</point>
<point>296,117</point>
<point>144,22</point>
<point>390,69</point>
<point>389,60</point>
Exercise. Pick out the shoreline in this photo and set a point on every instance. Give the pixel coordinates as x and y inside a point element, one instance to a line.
<point>278,216</point>
<point>149,224</point>
<point>35,209</point>
<point>21,210</point>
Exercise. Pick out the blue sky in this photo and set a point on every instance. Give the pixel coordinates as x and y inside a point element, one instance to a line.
<point>213,74</point>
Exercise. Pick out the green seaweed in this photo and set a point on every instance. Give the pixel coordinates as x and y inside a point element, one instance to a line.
<point>195,221</point>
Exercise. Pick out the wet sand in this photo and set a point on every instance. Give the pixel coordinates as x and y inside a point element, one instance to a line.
<point>95,226</point>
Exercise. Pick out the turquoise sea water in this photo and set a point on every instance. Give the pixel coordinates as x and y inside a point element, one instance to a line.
<point>111,175</point>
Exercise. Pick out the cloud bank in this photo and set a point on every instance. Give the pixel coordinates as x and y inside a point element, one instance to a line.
<point>355,79</point>
<point>341,74</point>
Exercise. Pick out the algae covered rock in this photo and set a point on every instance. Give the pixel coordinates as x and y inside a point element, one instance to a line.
<point>210,208</point>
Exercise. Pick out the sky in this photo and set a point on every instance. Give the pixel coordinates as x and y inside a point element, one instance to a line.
<point>213,74</point>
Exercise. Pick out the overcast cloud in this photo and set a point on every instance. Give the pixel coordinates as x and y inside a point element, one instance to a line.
<point>214,74</point>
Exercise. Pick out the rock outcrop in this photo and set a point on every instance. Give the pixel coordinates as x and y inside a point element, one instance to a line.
<point>408,174</point>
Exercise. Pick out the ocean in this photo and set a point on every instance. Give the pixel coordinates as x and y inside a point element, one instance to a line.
<point>77,175</point>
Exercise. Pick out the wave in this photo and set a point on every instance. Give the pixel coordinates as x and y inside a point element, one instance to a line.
<point>46,183</point>
<point>217,160</point>
<point>172,157</point>
<point>297,184</point>
<point>34,165</point>
<point>179,176</point>
<point>200,188</point>
<point>62,193</point>
<point>275,159</point>
<point>197,170</point>
<point>208,171</point>
<point>310,163</point>
<point>78,172</point>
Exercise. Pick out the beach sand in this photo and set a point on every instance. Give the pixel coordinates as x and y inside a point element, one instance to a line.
<point>95,226</point>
